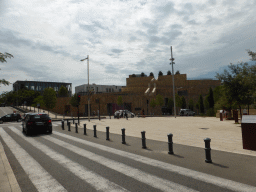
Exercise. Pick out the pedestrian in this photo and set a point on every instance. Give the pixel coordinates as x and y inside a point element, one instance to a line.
<point>126,115</point>
<point>143,113</point>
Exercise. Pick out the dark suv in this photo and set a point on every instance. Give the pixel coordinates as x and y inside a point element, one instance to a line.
<point>37,122</point>
<point>11,117</point>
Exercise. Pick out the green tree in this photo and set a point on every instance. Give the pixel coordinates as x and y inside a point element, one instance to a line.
<point>201,104</point>
<point>160,73</point>
<point>151,74</point>
<point>49,98</point>
<point>38,100</point>
<point>183,102</point>
<point>142,74</point>
<point>191,104</point>
<point>152,104</point>
<point>120,100</point>
<point>211,98</point>
<point>169,72</point>
<point>170,104</point>
<point>159,100</point>
<point>63,92</point>
<point>74,100</point>
<point>177,72</point>
<point>3,57</point>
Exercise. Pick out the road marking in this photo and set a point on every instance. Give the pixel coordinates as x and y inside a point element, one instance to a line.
<point>225,183</point>
<point>41,179</point>
<point>98,182</point>
<point>156,182</point>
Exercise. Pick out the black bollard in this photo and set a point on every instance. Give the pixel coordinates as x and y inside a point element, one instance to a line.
<point>67,122</point>
<point>62,124</point>
<point>84,129</point>
<point>143,138</point>
<point>170,143</point>
<point>68,126</point>
<point>107,133</point>
<point>123,136</point>
<point>94,130</point>
<point>73,120</point>
<point>76,128</point>
<point>207,150</point>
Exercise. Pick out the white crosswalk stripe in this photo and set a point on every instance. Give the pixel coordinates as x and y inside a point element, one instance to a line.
<point>42,180</point>
<point>95,180</point>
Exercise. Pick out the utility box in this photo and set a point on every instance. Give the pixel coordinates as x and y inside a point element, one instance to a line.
<point>248,127</point>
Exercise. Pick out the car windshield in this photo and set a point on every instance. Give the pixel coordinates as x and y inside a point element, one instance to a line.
<point>39,116</point>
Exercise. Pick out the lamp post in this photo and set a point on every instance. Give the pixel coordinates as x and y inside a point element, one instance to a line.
<point>172,59</point>
<point>88,86</point>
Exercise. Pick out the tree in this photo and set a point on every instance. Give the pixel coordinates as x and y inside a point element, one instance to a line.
<point>3,57</point>
<point>169,72</point>
<point>170,105</point>
<point>177,72</point>
<point>210,98</point>
<point>152,103</point>
<point>191,104</point>
<point>74,100</point>
<point>38,100</point>
<point>201,104</point>
<point>63,92</point>
<point>183,102</point>
<point>159,100</point>
<point>120,100</point>
<point>151,74</point>
<point>49,98</point>
<point>160,73</point>
<point>133,75</point>
<point>239,82</point>
<point>142,74</point>
<point>178,100</point>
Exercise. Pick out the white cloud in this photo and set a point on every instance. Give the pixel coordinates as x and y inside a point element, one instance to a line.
<point>48,38</point>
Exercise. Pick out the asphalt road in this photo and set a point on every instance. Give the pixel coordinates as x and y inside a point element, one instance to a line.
<point>69,161</point>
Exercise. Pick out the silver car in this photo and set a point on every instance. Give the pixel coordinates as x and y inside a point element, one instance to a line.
<point>187,112</point>
<point>120,113</point>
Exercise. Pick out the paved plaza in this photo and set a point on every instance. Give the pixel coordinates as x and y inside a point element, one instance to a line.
<point>225,135</point>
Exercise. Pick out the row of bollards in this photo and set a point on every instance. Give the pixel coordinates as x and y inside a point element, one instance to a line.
<point>143,138</point>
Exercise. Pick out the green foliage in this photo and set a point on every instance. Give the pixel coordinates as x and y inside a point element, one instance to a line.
<point>178,100</point>
<point>239,84</point>
<point>206,102</point>
<point>191,104</point>
<point>169,72</point>
<point>183,102</point>
<point>159,100</point>
<point>38,100</point>
<point>201,104</point>
<point>3,57</point>
<point>151,74</point>
<point>170,103</point>
<point>142,74</point>
<point>210,98</point>
<point>49,98</point>
<point>160,73</point>
<point>74,100</point>
<point>120,100</point>
<point>211,112</point>
<point>152,103</point>
<point>133,75</point>
<point>177,72</point>
<point>63,92</point>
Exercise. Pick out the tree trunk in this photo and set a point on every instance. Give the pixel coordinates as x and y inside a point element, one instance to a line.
<point>240,111</point>
<point>248,109</point>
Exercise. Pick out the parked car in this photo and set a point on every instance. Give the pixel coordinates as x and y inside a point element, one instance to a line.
<point>187,112</point>
<point>120,113</point>
<point>37,122</point>
<point>11,117</point>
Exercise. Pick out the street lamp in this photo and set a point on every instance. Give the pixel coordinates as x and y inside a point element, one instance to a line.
<point>88,86</point>
<point>172,59</point>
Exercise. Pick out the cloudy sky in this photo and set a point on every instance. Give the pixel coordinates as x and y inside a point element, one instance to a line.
<point>48,38</point>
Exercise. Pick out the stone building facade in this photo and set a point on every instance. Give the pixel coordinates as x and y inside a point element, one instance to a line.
<point>137,95</point>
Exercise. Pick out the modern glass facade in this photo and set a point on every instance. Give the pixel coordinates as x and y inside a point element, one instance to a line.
<point>40,86</point>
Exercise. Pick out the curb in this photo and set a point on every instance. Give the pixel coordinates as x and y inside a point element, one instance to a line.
<point>10,183</point>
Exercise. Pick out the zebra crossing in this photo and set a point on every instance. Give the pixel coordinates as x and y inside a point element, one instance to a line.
<point>93,164</point>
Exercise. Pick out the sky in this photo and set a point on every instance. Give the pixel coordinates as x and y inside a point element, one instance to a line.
<point>48,38</point>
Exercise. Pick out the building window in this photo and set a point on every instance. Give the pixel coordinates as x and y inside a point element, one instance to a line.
<point>107,90</point>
